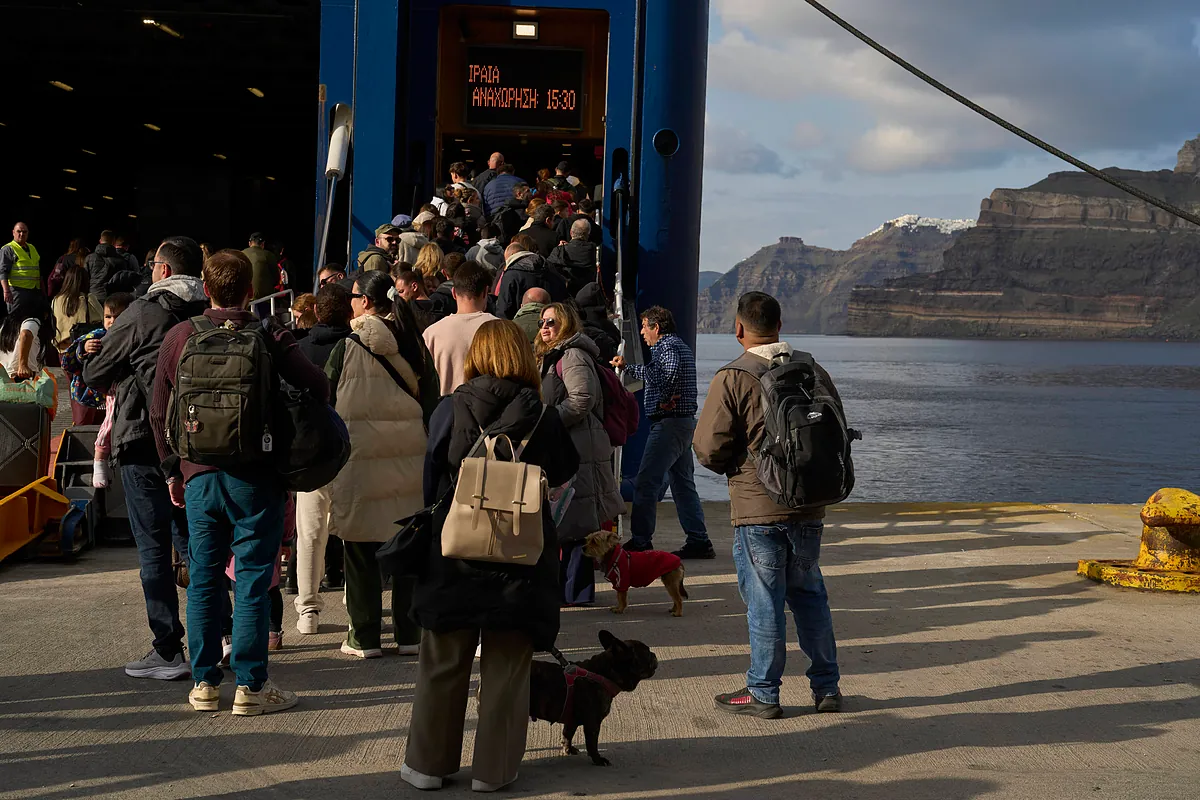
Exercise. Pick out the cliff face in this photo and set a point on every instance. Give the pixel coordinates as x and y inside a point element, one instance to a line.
<point>1069,257</point>
<point>813,284</point>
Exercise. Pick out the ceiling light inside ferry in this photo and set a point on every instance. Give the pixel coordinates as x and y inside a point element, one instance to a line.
<point>255,92</point>
<point>152,126</point>
<point>62,86</point>
<point>525,30</point>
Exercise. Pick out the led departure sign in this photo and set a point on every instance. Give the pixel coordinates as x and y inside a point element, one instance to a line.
<point>528,88</point>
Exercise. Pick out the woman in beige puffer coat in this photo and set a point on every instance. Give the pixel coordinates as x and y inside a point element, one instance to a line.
<point>381,482</point>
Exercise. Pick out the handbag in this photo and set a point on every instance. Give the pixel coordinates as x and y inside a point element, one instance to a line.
<point>406,555</point>
<point>495,514</point>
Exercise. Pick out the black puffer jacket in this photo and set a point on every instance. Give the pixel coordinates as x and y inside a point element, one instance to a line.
<point>321,340</point>
<point>106,265</point>
<point>577,261</point>
<point>455,594</point>
<point>596,324</point>
<point>525,271</point>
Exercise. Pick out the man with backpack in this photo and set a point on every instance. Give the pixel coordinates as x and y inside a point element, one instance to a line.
<point>218,457</point>
<point>777,497</point>
<point>124,362</point>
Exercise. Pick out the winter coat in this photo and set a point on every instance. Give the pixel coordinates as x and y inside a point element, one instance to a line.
<point>266,270</point>
<point>411,243</point>
<point>320,342</point>
<point>579,397</point>
<point>545,238</point>
<point>375,258</point>
<point>498,192</point>
<point>731,428</point>
<point>527,320</point>
<point>596,324</point>
<point>381,482</point>
<point>510,219</point>
<point>489,253</point>
<point>483,179</point>
<point>454,594</point>
<point>525,271</point>
<point>577,261</point>
<point>127,361</point>
<point>105,265</point>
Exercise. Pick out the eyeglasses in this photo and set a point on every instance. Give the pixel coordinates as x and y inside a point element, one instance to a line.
<point>547,323</point>
<point>354,296</point>
<point>154,264</point>
<point>328,279</point>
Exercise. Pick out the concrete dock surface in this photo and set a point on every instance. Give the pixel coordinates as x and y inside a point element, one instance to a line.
<point>975,664</point>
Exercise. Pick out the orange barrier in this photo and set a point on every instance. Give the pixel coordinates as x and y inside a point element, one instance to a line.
<point>25,513</point>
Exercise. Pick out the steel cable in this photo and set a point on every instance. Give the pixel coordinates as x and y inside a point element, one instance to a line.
<point>978,109</point>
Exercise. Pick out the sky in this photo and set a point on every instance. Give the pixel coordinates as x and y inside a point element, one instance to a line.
<point>830,139</point>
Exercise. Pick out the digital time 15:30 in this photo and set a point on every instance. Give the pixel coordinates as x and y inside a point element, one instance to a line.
<point>560,100</point>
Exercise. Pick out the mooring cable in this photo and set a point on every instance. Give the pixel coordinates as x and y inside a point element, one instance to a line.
<point>978,109</point>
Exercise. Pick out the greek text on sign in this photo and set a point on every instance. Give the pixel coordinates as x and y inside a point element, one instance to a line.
<point>524,87</point>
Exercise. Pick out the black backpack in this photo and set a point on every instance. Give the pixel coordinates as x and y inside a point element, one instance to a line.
<point>804,461</point>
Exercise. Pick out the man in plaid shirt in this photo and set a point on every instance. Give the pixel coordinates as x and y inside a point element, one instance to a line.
<point>670,399</point>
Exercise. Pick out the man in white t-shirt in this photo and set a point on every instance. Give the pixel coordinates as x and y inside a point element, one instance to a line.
<point>449,338</point>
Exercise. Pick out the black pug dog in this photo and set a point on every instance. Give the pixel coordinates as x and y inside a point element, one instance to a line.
<point>620,668</point>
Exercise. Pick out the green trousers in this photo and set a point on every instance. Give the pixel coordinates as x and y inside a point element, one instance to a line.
<point>364,599</point>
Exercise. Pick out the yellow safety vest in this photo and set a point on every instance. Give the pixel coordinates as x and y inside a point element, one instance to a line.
<point>27,272</point>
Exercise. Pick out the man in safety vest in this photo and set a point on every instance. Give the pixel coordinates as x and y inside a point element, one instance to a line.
<point>20,267</point>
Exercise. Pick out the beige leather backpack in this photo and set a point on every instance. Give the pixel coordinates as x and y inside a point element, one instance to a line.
<point>496,512</point>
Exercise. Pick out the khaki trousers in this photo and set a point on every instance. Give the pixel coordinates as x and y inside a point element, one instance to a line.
<point>435,735</point>
<point>312,534</point>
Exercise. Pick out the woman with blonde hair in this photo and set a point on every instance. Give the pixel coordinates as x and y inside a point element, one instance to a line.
<point>568,362</point>
<point>429,265</point>
<point>512,610</point>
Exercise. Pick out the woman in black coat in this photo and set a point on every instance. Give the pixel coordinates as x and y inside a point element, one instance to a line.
<point>512,608</point>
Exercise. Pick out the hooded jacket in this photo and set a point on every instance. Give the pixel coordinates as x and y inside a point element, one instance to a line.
<point>454,594</point>
<point>570,385</point>
<point>374,257</point>
<point>593,310</point>
<point>381,482</point>
<point>489,253</point>
<point>731,429</point>
<point>522,272</point>
<point>577,261</point>
<point>321,340</point>
<point>411,243</point>
<point>109,272</point>
<point>127,361</point>
<point>527,320</point>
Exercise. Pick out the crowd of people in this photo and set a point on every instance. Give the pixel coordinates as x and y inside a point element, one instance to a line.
<point>486,312</point>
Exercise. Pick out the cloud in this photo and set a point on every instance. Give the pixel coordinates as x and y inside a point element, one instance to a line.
<point>732,150</point>
<point>806,136</point>
<point>1085,74</point>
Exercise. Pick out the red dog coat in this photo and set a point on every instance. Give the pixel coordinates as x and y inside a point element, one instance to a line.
<point>626,570</point>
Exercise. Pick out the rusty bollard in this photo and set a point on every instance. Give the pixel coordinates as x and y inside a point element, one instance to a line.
<point>1169,558</point>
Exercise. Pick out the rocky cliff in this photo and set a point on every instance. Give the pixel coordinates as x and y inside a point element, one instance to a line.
<point>1069,257</point>
<point>814,283</point>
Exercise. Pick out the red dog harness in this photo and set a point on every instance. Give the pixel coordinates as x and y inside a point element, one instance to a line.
<point>574,672</point>
<point>626,570</point>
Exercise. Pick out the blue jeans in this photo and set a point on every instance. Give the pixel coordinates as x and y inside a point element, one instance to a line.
<point>156,526</point>
<point>667,459</point>
<point>226,513</point>
<point>777,564</point>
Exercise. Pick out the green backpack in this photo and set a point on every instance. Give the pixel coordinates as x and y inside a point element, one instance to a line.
<point>219,413</point>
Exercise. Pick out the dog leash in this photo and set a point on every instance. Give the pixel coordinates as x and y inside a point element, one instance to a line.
<point>562,660</point>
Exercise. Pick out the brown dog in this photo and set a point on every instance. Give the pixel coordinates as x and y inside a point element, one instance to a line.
<point>626,570</point>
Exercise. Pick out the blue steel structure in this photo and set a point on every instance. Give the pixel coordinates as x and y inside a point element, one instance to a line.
<point>381,58</point>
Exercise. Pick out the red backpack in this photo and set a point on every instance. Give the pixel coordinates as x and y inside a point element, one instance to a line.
<point>621,413</point>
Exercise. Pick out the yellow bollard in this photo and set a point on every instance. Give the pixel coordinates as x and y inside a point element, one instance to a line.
<point>1169,558</point>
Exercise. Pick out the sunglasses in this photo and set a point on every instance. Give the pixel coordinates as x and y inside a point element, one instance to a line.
<point>355,296</point>
<point>547,323</point>
<point>329,279</point>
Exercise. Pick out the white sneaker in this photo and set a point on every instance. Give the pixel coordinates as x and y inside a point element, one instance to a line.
<point>372,652</point>
<point>267,700</point>
<point>419,780</point>
<point>226,650</point>
<point>309,622</point>
<point>484,786</point>
<point>408,649</point>
<point>205,697</point>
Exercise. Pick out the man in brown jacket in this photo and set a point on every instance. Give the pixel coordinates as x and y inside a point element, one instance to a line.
<point>775,548</point>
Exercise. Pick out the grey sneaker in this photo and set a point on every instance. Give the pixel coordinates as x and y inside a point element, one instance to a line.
<point>152,665</point>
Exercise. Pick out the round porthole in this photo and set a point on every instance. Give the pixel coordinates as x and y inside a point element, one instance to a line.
<point>666,142</point>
